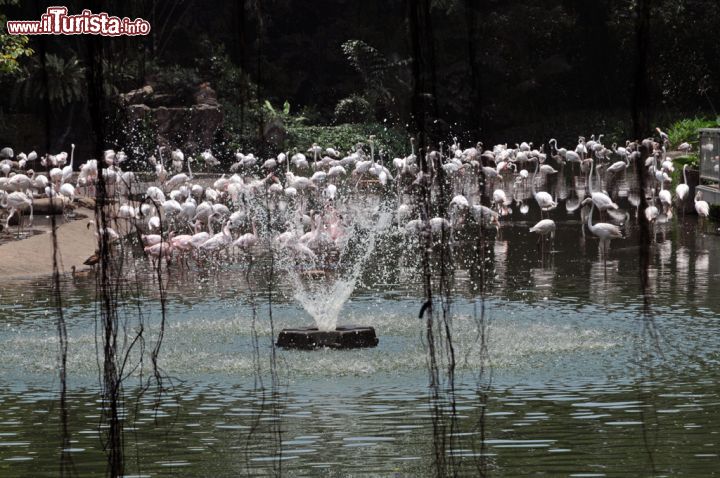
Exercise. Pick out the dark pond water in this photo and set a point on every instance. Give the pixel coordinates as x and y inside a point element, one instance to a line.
<point>579,381</point>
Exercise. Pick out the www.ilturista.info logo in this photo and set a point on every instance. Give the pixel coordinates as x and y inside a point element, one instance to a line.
<point>56,21</point>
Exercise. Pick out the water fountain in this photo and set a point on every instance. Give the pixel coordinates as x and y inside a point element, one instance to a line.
<point>323,283</point>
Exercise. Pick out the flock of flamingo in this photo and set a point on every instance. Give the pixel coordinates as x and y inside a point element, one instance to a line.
<point>302,200</point>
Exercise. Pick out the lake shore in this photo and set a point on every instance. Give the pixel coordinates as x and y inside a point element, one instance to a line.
<point>33,256</point>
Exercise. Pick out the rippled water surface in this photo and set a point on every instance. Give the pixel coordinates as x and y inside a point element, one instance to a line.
<point>579,381</point>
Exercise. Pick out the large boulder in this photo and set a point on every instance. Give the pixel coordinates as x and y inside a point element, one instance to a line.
<point>139,96</point>
<point>190,127</point>
<point>205,95</point>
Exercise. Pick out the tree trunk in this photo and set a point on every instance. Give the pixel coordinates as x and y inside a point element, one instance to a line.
<point>473,23</point>
<point>640,100</point>
<point>424,101</point>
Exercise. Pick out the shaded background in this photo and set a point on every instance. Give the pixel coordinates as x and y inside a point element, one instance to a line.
<point>285,73</point>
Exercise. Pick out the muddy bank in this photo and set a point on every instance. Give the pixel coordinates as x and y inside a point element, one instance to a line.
<point>33,256</point>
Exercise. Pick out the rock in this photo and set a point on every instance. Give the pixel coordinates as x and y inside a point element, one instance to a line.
<point>138,112</point>
<point>164,99</point>
<point>141,95</point>
<point>275,132</point>
<point>205,95</point>
<point>196,124</point>
<point>86,202</point>
<point>44,206</point>
<point>189,127</point>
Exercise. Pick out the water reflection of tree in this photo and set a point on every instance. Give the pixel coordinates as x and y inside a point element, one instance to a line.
<point>438,261</point>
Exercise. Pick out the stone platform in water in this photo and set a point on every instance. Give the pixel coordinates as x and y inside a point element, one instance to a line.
<point>344,337</point>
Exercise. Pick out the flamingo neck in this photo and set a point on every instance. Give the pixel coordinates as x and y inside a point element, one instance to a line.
<point>589,221</point>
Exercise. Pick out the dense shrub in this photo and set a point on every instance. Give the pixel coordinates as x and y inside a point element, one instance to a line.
<point>353,109</point>
<point>687,130</point>
<point>344,137</point>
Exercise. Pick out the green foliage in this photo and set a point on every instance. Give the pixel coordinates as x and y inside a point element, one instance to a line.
<point>283,114</point>
<point>12,47</point>
<point>686,130</point>
<point>232,85</point>
<point>367,60</point>
<point>177,81</point>
<point>344,137</point>
<point>65,82</point>
<point>353,109</point>
<point>243,112</point>
<point>383,81</point>
<point>690,159</point>
<point>276,123</point>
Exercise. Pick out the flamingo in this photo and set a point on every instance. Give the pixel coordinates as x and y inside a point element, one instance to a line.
<point>544,228</point>
<point>150,239</point>
<point>16,202</point>
<point>67,171</point>
<point>665,200</point>
<point>107,233</point>
<point>603,230</point>
<point>161,249</point>
<point>219,241</point>
<point>619,166</point>
<point>247,240</point>
<point>484,215</point>
<point>544,199</point>
<point>599,199</point>
<point>701,207</point>
<point>682,189</point>
<point>500,199</point>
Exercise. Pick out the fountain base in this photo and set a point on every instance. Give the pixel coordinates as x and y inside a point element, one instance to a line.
<point>343,337</point>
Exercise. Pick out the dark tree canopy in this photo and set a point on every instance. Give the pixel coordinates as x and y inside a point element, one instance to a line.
<point>498,71</point>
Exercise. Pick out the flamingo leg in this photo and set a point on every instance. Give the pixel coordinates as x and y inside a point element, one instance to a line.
<point>7,221</point>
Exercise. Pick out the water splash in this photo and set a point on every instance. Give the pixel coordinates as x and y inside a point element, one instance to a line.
<point>323,297</point>
<point>325,304</point>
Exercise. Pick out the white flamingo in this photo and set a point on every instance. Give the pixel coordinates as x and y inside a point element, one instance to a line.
<point>599,199</point>
<point>15,202</point>
<point>544,199</point>
<point>602,230</point>
<point>544,228</point>
<point>701,207</point>
<point>682,189</point>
